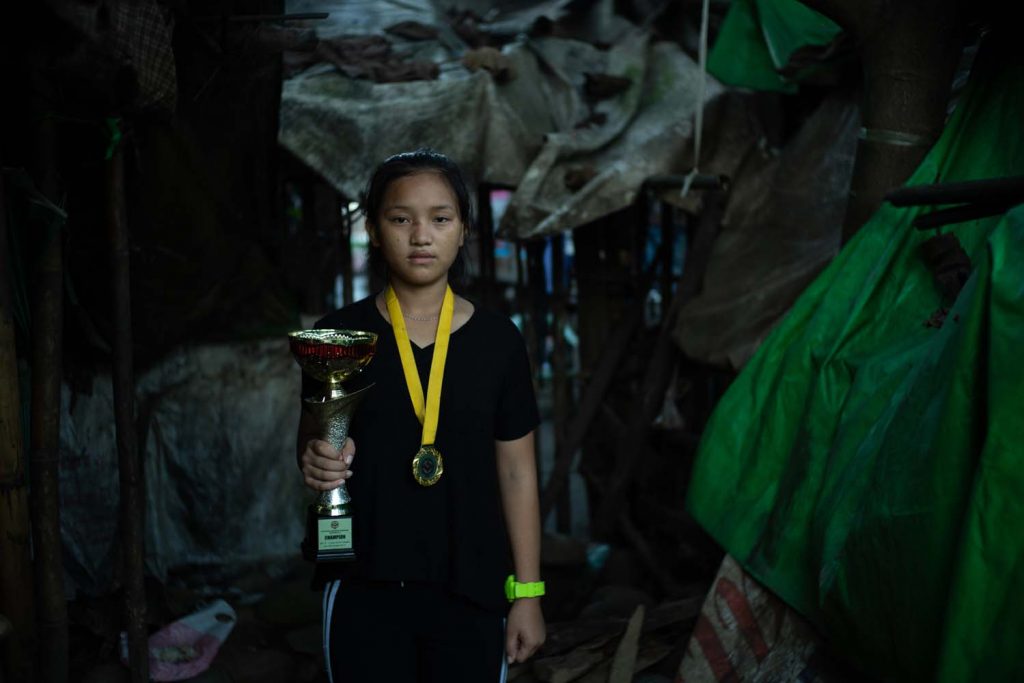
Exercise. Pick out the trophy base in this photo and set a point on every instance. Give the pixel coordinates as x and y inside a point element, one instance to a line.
<point>328,538</point>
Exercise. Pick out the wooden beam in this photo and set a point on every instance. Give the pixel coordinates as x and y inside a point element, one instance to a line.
<point>260,18</point>
<point>129,463</point>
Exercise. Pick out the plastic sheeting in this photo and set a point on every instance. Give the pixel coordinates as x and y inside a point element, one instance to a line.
<point>528,133</point>
<point>781,227</point>
<point>867,467</point>
<point>342,128</point>
<point>217,435</point>
<point>648,131</point>
<point>362,17</point>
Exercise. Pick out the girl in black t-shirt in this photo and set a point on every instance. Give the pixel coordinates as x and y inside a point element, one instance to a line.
<point>446,541</point>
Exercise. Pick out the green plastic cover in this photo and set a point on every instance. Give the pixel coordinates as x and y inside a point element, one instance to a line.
<point>759,36</point>
<point>869,468</point>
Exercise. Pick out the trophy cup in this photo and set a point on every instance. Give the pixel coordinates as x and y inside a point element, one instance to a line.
<point>331,356</point>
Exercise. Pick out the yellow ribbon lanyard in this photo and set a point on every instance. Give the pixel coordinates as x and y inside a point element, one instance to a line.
<point>427,466</point>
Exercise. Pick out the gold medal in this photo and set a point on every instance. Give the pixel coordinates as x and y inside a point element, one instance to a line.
<point>427,465</point>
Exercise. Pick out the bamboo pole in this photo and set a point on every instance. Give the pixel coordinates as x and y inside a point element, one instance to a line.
<point>44,500</point>
<point>958,214</point>
<point>130,468</point>
<point>15,559</point>
<point>991,190</point>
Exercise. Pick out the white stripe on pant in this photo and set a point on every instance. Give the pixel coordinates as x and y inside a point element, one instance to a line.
<point>330,593</point>
<point>504,657</point>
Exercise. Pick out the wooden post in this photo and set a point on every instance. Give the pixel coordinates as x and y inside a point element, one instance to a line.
<point>345,252</point>
<point>485,231</point>
<point>593,394</point>
<point>609,305</point>
<point>129,465</point>
<point>667,255</point>
<point>538,300</point>
<point>323,221</point>
<point>44,501</point>
<point>15,560</point>
<point>559,376</point>
<point>632,447</point>
<point>313,295</point>
<point>522,292</point>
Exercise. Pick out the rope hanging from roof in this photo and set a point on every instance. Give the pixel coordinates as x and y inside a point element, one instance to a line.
<point>699,124</point>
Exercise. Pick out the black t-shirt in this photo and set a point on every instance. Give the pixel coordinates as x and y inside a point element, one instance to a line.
<point>453,532</point>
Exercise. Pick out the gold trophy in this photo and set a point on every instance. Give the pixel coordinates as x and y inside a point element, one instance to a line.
<point>331,356</point>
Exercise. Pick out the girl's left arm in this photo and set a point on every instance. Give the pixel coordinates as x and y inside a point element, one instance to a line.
<point>517,479</point>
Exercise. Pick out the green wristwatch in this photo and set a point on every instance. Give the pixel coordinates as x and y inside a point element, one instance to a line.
<point>515,590</point>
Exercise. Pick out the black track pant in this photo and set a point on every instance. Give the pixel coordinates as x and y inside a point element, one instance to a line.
<point>409,633</point>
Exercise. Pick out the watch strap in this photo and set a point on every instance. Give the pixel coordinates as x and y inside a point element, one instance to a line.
<point>515,589</point>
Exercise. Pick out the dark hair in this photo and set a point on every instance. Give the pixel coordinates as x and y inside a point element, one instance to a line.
<point>422,160</point>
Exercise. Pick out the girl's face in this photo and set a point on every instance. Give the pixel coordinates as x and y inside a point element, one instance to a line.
<point>419,230</point>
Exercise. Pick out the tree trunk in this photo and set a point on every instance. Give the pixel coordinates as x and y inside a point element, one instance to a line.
<point>909,50</point>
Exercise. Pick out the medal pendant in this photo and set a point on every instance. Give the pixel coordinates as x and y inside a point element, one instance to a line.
<point>427,466</point>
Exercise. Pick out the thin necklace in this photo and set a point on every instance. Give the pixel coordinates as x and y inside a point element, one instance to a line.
<point>423,319</point>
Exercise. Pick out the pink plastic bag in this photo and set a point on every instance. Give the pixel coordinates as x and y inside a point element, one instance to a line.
<point>185,648</point>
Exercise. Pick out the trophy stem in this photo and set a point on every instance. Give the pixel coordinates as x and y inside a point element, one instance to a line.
<point>334,415</point>
<point>333,503</point>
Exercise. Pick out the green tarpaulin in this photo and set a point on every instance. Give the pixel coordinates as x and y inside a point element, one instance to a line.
<point>758,37</point>
<point>869,468</point>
